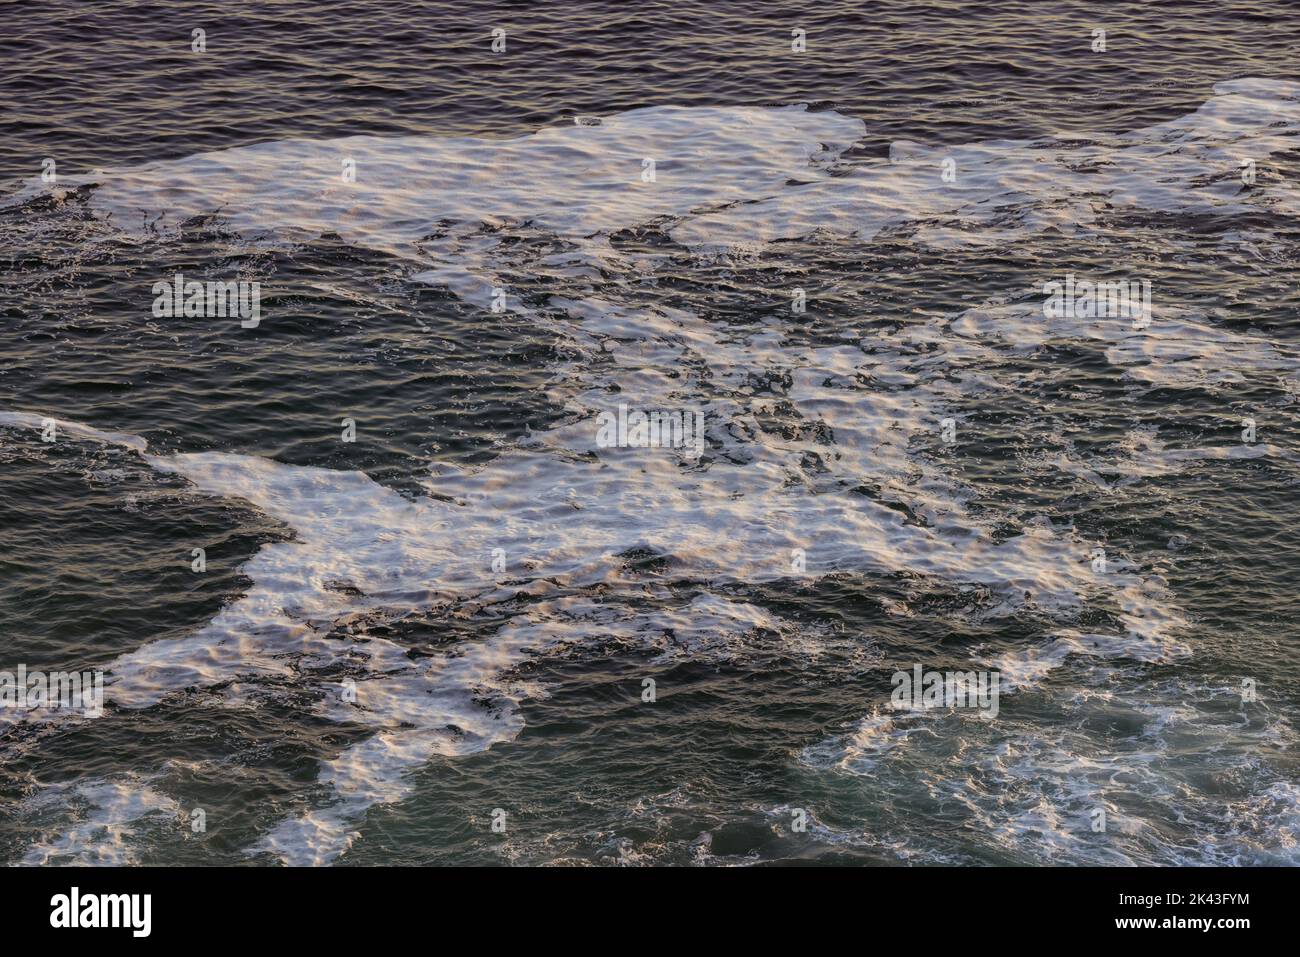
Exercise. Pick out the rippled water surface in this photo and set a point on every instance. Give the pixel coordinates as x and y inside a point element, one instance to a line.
<point>400,639</point>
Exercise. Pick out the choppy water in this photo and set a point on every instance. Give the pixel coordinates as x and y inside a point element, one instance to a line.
<point>520,688</point>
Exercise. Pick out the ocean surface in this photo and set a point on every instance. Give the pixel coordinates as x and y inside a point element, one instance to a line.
<point>431,644</point>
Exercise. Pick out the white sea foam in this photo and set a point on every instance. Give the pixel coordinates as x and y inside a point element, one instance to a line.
<point>37,423</point>
<point>564,511</point>
<point>109,816</point>
<point>1008,189</point>
<point>1032,790</point>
